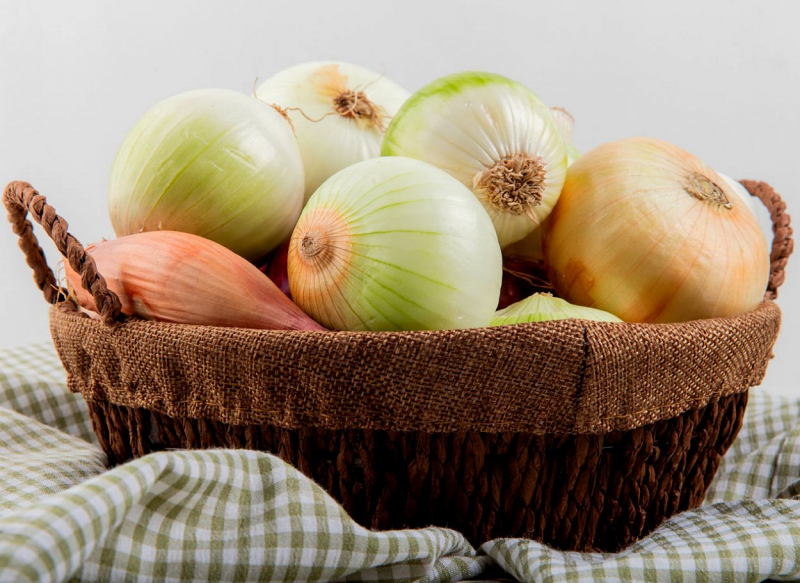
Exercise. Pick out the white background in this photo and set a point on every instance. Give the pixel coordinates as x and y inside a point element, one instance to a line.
<point>721,79</point>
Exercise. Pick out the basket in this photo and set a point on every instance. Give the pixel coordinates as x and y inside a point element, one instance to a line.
<point>583,435</point>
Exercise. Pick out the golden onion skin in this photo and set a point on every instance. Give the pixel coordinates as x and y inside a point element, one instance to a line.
<point>650,233</point>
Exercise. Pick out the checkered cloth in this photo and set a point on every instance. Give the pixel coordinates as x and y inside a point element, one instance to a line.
<point>247,516</point>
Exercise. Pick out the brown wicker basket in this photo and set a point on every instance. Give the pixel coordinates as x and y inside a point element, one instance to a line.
<point>584,435</point>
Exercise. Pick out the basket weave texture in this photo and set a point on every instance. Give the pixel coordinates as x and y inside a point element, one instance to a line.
<point>584,435</point>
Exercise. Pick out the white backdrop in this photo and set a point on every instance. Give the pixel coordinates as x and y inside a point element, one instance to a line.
<point>720,79</point>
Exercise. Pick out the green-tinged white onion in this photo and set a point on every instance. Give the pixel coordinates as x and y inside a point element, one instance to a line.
<point>565,123</point>
<point>339,111</point>
<point>395,244</point>
<point>543,307</point>
<point>495,136</point>
<point>530,246</point>
<point>756,207</point>
<point>213,163</point>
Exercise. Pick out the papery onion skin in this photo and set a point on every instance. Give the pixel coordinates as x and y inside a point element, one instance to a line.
<point>634,234</point>
<point>214,163</point>
<point>543,307</point>
<point>473,124</point>
<point>395,244</point>
<point>756,207</point>
<point>181,278</point>
<point>565,123</point>
<point>329,141</point>
<point>529,247</point>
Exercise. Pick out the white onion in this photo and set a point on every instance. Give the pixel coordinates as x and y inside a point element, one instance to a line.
<point>543,307</point>
<point>213,163</point>
<point>395,244</point>
<point>493,135</point>
<point>565,123</point>
<point>756,206</point>
<point>351,107</point>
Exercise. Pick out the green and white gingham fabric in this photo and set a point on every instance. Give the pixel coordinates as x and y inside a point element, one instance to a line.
<point>247,516</point>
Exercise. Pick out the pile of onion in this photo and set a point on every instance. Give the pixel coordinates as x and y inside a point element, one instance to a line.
<point>369,209</point>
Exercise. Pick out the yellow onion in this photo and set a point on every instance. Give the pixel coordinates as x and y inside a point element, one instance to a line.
<point>648,232</point>
<point>543,307</point>
<point>395,244</point>
<point>179,277</point>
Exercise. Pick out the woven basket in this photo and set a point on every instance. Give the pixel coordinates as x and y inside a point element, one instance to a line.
<point>583,435</point>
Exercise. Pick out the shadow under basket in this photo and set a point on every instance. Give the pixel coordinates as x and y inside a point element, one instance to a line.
<point>582,435</point>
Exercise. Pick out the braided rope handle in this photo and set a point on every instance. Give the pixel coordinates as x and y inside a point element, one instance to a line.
<point>782,242</point>
<point>20,198</point>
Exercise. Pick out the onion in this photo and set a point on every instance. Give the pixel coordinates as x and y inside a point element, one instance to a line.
<point>277,270</point>
<point>495,136</point>
<point>522,277</point>
<point>530,247</point>
<point>178,277</point>
<point>395,244</point>
<point>543,307</point>
<point>214,163</point>
<point>756,207</point>
<point>510,291</point>
<point>339,112</point>
<point>646,231</point>
<point>565,123</point>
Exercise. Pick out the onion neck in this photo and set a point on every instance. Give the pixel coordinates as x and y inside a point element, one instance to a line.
<point>355,105</point>
<point>703,188</point>
<point>515,184</point>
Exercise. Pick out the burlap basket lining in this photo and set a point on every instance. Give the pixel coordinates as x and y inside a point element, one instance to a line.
<point>567,377</point>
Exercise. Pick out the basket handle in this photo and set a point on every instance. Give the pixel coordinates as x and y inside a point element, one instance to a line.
<point>782,242</point>
<point>20,198</point>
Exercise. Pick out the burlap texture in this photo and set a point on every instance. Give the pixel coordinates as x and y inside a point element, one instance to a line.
<point>565,377</point>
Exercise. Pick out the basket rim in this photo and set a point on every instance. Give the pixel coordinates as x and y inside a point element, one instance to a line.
<point>580,377</point>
